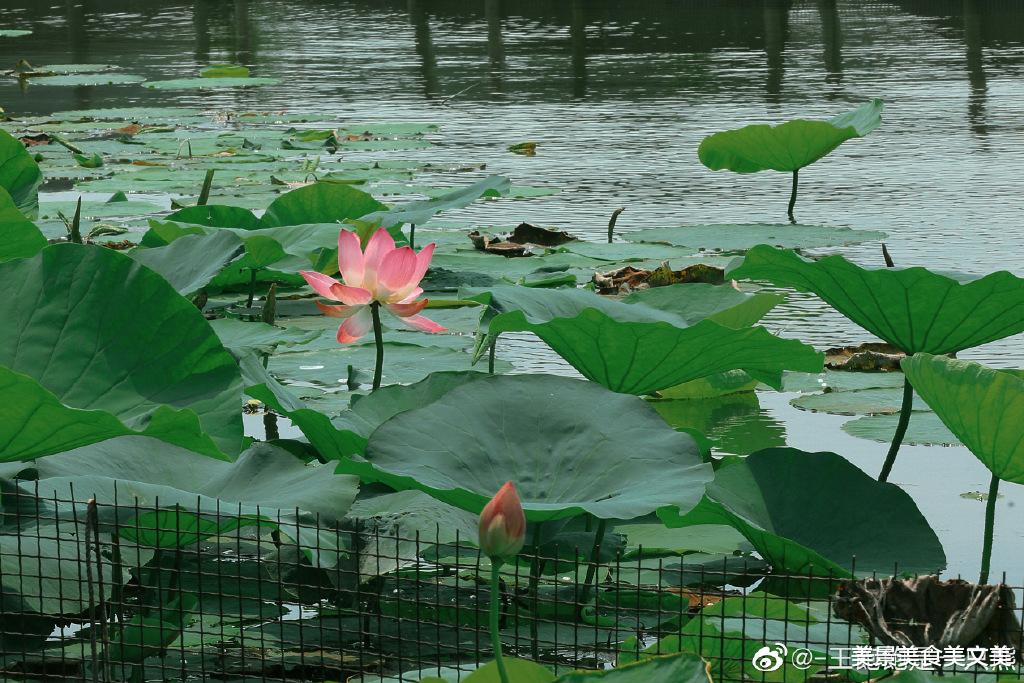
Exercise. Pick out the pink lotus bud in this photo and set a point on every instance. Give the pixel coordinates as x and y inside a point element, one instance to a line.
<point>503,525</point>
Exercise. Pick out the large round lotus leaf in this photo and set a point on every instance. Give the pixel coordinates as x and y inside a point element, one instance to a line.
<point>634,348</point>
<point>423,211</point>
<point>19,174</point>
<point>216,216</point>
<point>19,237</point>
<point>206,83</point>
<point>79,80</point>
<point>877,401</point>
<point>193,261</point>
<point>104,333</point>
<point>786,147</point>
<point>697,301</point>
<point>319,203</point>
<point>913,309</point>
<point>983,407</point>
<point>743,236</point>
<point>402,363</point>
<point>925,429</point>
<point>570,446</point>
<point>817,513</point>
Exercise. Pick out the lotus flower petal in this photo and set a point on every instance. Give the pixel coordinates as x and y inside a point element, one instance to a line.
<point>355,326</point>
<point>409,309</point>
<point>503,524</point>
<point>338,311</point>
<point>376,249</point>
<point>396,272</point>
<point>418,322</point>
<point>422,263</point>
<point>320,283</point>
<point>350,258</point>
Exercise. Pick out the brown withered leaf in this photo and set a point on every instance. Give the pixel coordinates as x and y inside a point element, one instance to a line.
<point>628,278</point>
<point>926,611</point>
<point>867,357</point>
<point>525,233</point>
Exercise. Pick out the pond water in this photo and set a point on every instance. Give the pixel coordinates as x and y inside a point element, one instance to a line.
<point>618,95</point>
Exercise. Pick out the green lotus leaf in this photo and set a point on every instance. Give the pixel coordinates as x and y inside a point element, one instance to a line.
<point>79,80</point>
<point>139,114</point>
<point>178,528</point>
<point>216,216</point>
<point>241,337</point>
<point>319,203</point>
<point>34,423</point>
<point>816,513</point>
<point>519,670</point>
<point>13,32</point>
<point>114,336</point>
<point>19,237</point>
<point>680,668</point>
<point>925,429</point>
<point>983,407</point>
<point>697,301</point>
<point>224,71</point>
<point>192,262</point>
<point>743,236</point>
<point>789,146</point>
<point>571,447</point>
<point>913,309</point>
<point>874,401</point>
<point>421,211</point>
<point>145,475</point>
<point>634,348</point>
<point>19,174</point>
<point>206,83</point>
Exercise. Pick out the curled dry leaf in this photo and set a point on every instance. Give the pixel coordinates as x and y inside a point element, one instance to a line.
<point>628,278</point>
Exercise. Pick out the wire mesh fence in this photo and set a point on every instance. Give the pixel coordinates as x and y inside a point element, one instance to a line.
<point>141,591</point>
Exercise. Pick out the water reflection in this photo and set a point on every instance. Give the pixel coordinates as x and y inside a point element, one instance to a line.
<point>973,38</point>
<point>736,422</point>
<point>776,32</point>
<point>832,41</point>
<point>420,20</point>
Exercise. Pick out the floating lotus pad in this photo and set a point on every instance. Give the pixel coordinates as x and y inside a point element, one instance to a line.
<point>83,79</point>
<point>743,236</point>
<point>210,83</point>
<point>876,401</point>
<point>925,429</point>
<point>570,446</point>
<point>13,33</point>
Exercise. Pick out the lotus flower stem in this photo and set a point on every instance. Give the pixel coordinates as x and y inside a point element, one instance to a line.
<point>490,355</point>
<point>378,336</point>
<point>792,195</point>
<point>496,618</point>
<point>595,557</point>
<point>611,223</point>
<point>990,523</point>
<point>536,567</point>
<point>204,194</point>
<point>412,235</point>
<point>252,288</point>
<point>901,429</point>
<point>75,230</point>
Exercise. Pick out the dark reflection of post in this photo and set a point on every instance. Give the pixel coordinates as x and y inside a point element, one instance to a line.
<point>201,26</point>
<point>244,53</point>
<point>832,39</point>
<point>78,45</point>
<point>578,36</point>
<point>776,32</point>
<point>424,47</point>
<point>495,44</point>
<point>978,98</point>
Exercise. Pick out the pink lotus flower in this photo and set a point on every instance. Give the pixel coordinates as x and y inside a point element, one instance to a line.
<point>383,274</point>
<point>503,524</point>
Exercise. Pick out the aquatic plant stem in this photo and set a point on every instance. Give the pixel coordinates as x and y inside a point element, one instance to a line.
<point>611,223</point>
<point>378,336</point>
<point>204,194</point>
<point>496,618</point>
<point>901,429</point>
<point>252,287</point>
<point>536,567</point>
<point>490,355</point>
<point>792,195</point>
<point>595,557</point>
<point>412,235</point>
<point>75,230</point>
<point>990,523</point>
